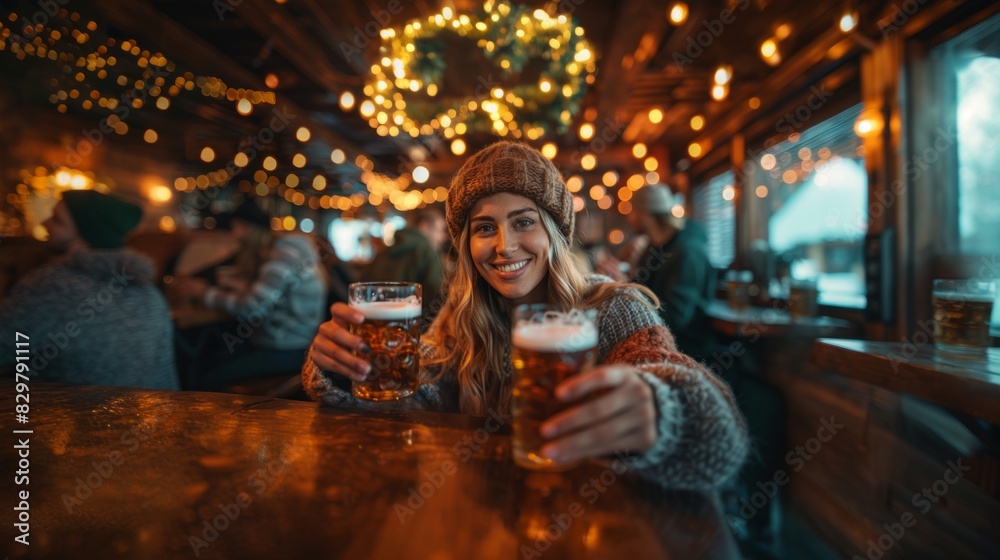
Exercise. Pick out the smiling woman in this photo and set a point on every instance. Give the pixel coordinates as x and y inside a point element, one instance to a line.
<point>510,215</point>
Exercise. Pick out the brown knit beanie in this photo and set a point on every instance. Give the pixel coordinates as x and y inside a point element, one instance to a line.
<point>514,168</point>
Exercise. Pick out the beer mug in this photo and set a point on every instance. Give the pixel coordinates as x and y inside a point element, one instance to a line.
<point>392,330</point>
<point>962,310</point>
<point>549,346</point>
<point>803,299</point>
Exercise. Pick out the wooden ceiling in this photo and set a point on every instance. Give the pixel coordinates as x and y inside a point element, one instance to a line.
<point>644,62</point>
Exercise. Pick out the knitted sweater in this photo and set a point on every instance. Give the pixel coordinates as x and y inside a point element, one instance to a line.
<point>702,437</point>
<point>285,304</point>
<point>94,317</point>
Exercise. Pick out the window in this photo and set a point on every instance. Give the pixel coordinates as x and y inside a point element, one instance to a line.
<point>713,207</point>
<point>811,191</point>
<point>971,85</point>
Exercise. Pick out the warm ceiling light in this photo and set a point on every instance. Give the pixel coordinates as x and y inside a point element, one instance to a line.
<point>655,116</point>
<point>319,182</point>
<point>678,13</point>
<point>768,48</point>
<point>150,136</point>
<point>574,183</point>
<point>677,211</point>
<point>694,150</point>
<point>207,154</point>
<point>723,74</point>
<point>545,86</point>
<point>761,191</point>
<point>588,161</point>
<point>337,156</point>
<point>303,134</point>
<point>271,80</point>
<point>597,192</point>
<point>728,193</point>
<point>754,102</point>
<point>586,131</point>
<point>347,101</point>
<point>767,162</point>
<point>697,122</point>
<point>550,150</point>
<point>299,160</point>
<point>609,179</point>
<point>848,22</point>
<point>458,146</point>
<point>639,150</point>
<point>269,163</point>
<point>421,174</point>
<point>650,164</point>
<point>160,193</point>
<point>719,92</point>
<point>367,108</point>
<point>244,107</point>
<point>782,32</point>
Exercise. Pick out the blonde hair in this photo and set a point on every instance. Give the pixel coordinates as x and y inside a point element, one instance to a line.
<point>471,333</point>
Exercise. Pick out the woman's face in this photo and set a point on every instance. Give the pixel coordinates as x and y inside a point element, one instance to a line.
<point>510,246</point>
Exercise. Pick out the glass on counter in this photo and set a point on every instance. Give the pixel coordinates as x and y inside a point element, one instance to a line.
<point>738,288</point>
<point>803,298</point>
<point>962,310</point>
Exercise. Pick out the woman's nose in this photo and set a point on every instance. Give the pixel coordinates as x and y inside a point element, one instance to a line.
<point>506,242</point>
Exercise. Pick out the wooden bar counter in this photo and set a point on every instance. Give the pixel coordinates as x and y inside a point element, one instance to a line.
<point>773,322</point>
<point>118,472</point>
<point>967,385</point>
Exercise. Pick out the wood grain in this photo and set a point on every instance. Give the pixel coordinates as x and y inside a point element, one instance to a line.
<point>285,479</point>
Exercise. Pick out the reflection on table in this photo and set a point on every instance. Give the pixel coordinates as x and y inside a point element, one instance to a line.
<point>134,473</point>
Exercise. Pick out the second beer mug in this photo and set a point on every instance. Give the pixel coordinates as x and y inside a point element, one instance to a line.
<point>549,347</point>
<point>392,330</point>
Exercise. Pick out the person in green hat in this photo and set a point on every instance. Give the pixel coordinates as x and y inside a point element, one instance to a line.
<point>93,316</point>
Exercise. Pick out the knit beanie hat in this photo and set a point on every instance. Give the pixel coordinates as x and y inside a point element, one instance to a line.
<point>102,221</point>
<point>514,168</point>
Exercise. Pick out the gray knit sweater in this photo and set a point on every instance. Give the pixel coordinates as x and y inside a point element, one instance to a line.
<point>94,317</point>
<point>702,437</point>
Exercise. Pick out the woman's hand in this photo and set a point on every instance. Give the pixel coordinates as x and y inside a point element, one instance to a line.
<point>621,418</point>
<point>333,345</point>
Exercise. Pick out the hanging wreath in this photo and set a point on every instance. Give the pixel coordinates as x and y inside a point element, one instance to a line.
<point>405,92</point>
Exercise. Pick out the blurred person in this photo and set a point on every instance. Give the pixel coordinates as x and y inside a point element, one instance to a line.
<point>278,310</point>
<point>94,316</point>
<point>674,266</point>
<point>415,256</point>
<point>511,219</point>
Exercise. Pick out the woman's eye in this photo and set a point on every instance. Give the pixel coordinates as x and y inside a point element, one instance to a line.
<point>484,228</point>
<point>524,223</point>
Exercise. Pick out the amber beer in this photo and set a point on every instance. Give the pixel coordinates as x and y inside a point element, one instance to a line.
<point>392,330</point>
<point>961,318</point>
<point>548,348</point>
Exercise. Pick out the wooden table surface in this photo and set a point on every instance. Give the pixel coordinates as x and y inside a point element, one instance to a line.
<point>971,386</point>
<point>773,322</point>
<point>119,472</point>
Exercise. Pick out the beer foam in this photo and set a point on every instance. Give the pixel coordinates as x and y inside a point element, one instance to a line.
<point>542,337</point>
<point>971,298</point>
<point>388,310</point>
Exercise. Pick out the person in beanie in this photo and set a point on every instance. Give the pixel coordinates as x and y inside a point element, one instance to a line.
<point>510,216</point>
<point>675,267</point>
<point>94,316</point>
